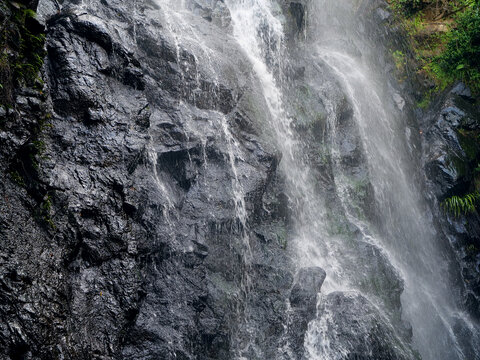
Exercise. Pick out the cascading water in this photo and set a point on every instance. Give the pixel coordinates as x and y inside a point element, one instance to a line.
<point>408,238</point>
<point>401,231</point>
<point>260,34</point>
<point>185,36</point>
<point>181,30</point>
<point>233,179</point>
<point>356,210</point>
<point>406,234</point>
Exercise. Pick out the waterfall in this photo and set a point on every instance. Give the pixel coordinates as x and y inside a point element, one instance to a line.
<point>357,209</point>
<point>232,179</point>
<point>260,34</point>
<point>401,231</point>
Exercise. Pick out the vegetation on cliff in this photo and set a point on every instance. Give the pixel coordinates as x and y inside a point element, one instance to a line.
<point>22,51</point>
<point>445,37</point>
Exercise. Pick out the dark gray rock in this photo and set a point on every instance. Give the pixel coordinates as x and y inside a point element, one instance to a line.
<point>350,326</point>
<point>120,234</point>
<point>307,285</point>
<point>303,309</point>
<point>297,10</point>
<point>451,155</point>
<point>446,161</point>
<point>214,11</point>
<point>463,91</point>
<point>120,237</point>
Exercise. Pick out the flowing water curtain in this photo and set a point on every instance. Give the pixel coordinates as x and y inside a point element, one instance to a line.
<point>397,244</point>
<point>407,235</point>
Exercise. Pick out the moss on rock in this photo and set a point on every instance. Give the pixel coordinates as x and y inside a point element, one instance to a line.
<point>23,39</point>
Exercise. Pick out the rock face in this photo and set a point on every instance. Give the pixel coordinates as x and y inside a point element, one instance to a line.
<point>352,328</point>
<point>306,288</point>
<point>121,238</point>
<point>451,157</point>
<point>303,302</point>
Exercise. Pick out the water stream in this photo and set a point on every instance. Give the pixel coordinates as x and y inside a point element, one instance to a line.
<point>371,231</point>
<point>403,233</point>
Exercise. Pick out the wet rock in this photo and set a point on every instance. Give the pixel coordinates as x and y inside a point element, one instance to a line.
<point>122,238</point>
<point>46,9</point>
<point>307,286</point>
<point>298,12</point>
<point>303,301</point>
<point>134,78</point>
<point>212,11</point>
<point>463,91</point>
<point>446,161</point>
<point>451,154</point>
<point>383,14</point>
<point>94,116</point>
<point>353,327</point>
<point>399,101</point>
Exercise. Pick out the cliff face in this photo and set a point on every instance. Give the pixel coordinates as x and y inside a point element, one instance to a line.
<point>450,158</point>
<point>120,236</point>
<point>126,180</point>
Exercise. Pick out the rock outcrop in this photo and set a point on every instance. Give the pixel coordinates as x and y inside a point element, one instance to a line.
<point>451,154</point>
<point>120,236</point>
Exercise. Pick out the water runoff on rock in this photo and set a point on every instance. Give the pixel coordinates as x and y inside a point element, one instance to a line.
<point>185,35</point>
<point>400,235</point>
<point>356,208</point>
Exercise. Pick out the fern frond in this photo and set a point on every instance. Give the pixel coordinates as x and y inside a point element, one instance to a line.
<point>461,205</point>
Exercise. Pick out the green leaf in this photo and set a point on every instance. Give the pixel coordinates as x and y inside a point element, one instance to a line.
<point>461,205</point>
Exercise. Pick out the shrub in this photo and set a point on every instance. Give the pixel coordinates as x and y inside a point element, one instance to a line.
<point>438,9</point>
<point>408,7</point>
<point>444,56</point>
<point>461,58</point>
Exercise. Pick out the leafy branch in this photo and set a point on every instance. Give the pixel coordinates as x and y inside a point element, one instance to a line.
<point>461,205</point>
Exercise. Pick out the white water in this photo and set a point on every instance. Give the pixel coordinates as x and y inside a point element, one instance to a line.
<point>248,17</point>
<point>403,233</point>
<point>176,19</point>
<point>407,237</point>
<point>409,242</point>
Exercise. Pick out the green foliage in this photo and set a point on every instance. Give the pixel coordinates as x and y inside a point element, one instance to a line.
<point>472,250</point>
<point>458,205</point>
<point>400,60</point>
<point>469,141</point>
<point>17,178</point>
<point>438,8</point>
<point>408,7</point>
<point>5,79</point>
<point>426,100</point>
<point>46,209</point>
<point>461,58</point>
<point>47,203</point>
<point>282,238</point>
<point>31,50</point>
<point>445,36</point>
<point>22,50</point>
<point>40,146</point>
<point>50,222</point>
